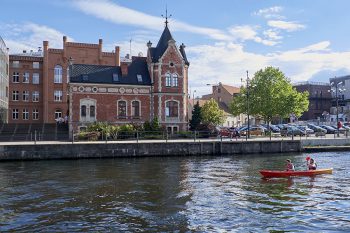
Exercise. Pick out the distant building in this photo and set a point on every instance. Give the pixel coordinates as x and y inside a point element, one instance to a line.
<point>320,100</point>
<point>343,90</point>
<point>223,95</point>
<point>4,82</point>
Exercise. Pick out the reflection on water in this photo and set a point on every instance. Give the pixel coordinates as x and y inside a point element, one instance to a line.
<point>173,194</point>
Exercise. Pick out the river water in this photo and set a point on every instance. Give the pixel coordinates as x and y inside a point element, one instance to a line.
<point>174,194</point>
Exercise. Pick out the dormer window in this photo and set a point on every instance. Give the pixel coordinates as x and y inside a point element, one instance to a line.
<point>139,78</point>
<point>115,78</point>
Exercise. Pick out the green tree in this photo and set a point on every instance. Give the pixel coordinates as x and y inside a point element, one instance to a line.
<point>196,117</point>
<point>212,114</point>
<point>270,95</point>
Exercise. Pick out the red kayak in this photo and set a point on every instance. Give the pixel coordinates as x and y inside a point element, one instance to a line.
<point>270,174</point>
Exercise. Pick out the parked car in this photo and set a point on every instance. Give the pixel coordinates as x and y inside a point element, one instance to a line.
<point>223,132</point>
<point>234,132</point>
<point>306,129</point>
<point>292,130</point>
<point>341,130</point>
<point>272,128</point>
<point>330,130</point>
<point>255,130</point>
<point>317,129</point>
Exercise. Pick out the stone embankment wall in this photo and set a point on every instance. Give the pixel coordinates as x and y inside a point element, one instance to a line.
<point>142,149</point>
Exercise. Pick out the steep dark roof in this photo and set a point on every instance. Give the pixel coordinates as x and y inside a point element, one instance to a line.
<point>158,51</point>
<point>162,45</point>
<point>82,73</point>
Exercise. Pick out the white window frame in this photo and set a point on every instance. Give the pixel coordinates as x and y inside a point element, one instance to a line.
<point>15,114</point>
<point>58,114</point>
<point>25,96</point>
<point>58,70</point>
<point>168,80</point>
<point>35,114</point>
<point>15,95</point>
<point>36,65</point>
<point>26,76</point>
<point>57,96</point>
<point>15,77</point>
<point>174,80</point>
<point>35,96</point>
<point>88,103</point>
<point>15,64</point>
<point>36,78</point>
<point>25,114</point>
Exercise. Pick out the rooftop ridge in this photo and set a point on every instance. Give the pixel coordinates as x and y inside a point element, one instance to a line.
<point>311,83</point>
<point>78,44</point>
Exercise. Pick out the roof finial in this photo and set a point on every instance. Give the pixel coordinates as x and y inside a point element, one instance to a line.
<point>166,16</point>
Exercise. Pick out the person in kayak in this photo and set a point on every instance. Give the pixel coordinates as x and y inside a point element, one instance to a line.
<point>311,164</point>
<point>289,165</point>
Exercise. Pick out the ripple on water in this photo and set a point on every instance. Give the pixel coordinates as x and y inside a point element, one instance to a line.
<point>208,194</point>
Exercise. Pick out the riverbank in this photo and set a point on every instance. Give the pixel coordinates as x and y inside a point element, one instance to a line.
<point>65,150</point>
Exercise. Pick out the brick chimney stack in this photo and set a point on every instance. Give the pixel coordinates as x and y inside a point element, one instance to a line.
<point>100,41</point>
<point>117,55</point>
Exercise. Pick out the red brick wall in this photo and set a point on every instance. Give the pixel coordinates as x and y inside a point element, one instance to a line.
<point>25,65</point>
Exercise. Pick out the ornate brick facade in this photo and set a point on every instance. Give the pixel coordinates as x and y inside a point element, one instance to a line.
<point>86,84</point>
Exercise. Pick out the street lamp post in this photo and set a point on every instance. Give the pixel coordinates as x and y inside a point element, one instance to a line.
<point>70,65</point>
<point>193,98</point>
<point>337,90</point>
<point>247,96</point>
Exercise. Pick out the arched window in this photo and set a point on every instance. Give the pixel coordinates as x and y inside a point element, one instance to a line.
<point>175,80</point>
<point>135,109</point>
<point>122,109</point>
<point>58,74</point>
<point>83,111</point>
<point>172,109</point>
<point>168,80</point>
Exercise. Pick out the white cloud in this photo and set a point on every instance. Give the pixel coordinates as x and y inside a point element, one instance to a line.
<point>272,34</point>
<point>227,63</point>
<point>247,32</point>
<point>115,13</point>
<point>271,12</point>
<point>30,36</point>
<point>285,25</point>
<point>112,12</point>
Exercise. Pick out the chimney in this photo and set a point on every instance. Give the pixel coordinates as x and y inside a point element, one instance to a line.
<point>64,47</point>
<point>124,68</point>
<point>117,55</point>
<point>100,51</point>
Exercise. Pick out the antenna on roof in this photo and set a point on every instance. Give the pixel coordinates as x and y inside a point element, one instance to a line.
<point>130,46</point>
<point>166,16</point>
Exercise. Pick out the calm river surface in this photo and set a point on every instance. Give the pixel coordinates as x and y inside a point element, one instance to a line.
<point>181,194</point>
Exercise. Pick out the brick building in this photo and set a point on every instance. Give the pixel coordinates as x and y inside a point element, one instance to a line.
<point>4,81</point>
<point>148,87</point>
<point>101,87</point>
<point>38,83</point>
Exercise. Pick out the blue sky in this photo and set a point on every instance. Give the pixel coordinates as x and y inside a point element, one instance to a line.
<point>307,40</point>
